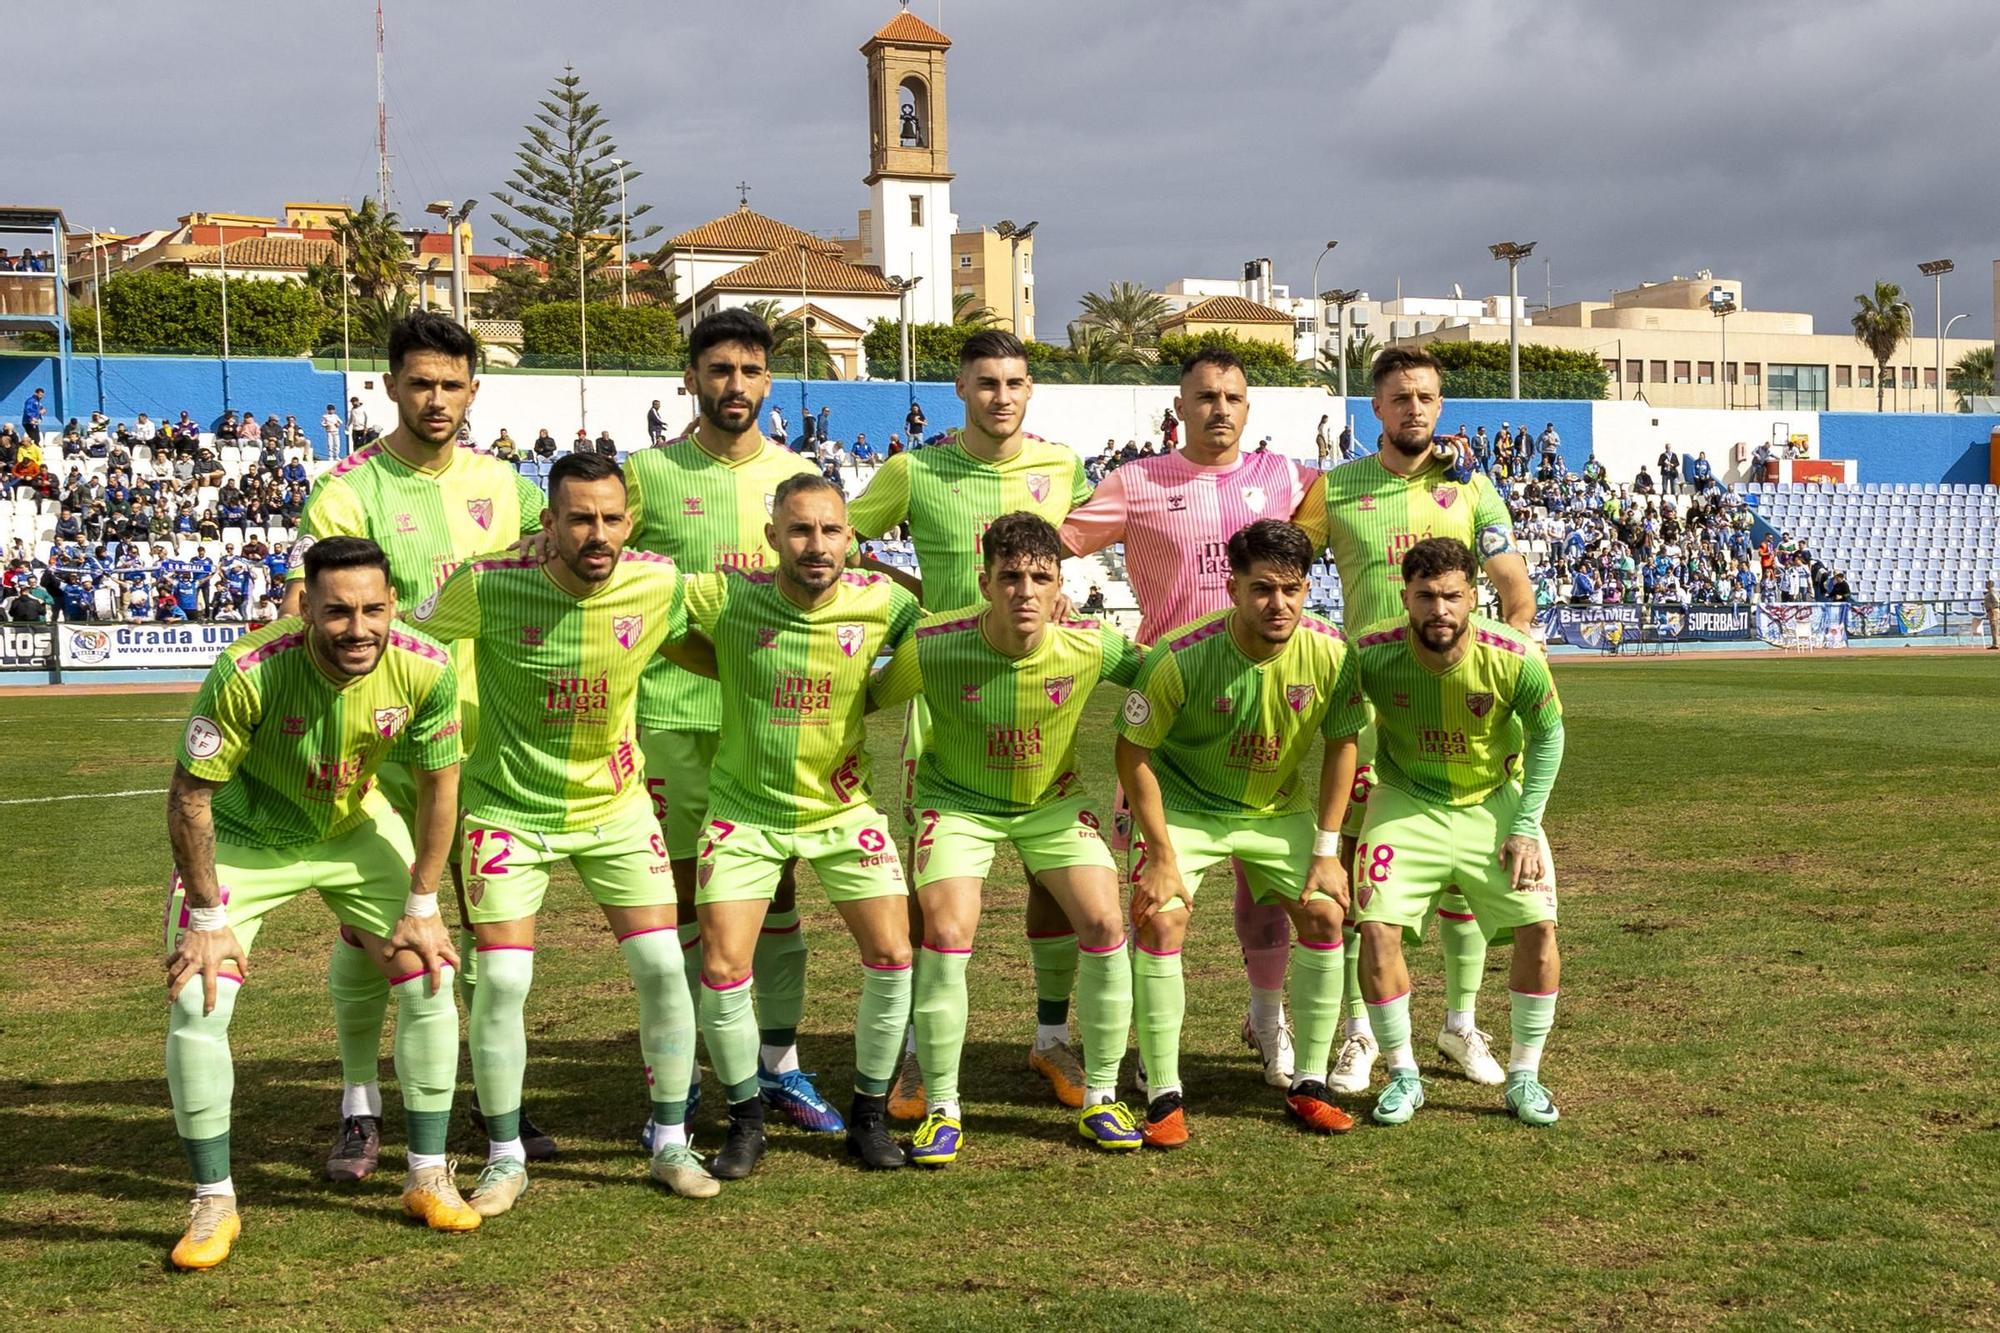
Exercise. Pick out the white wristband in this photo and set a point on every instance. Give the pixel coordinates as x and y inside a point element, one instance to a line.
<point>1325,843</point>
<point>208,918</point>
<point>421,905</point>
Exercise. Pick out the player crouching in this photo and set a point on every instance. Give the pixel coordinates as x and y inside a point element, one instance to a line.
<point>1209,748</point>
<point>1007,686</point>
<point>1454,696</point>
<point>273,796</point>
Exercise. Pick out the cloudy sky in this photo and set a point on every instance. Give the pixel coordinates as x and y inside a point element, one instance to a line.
<point>1807,147</point>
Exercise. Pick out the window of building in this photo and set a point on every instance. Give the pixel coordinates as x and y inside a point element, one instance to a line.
<point>1753,372</point>
<point>965,261</point>
<point>1930,377</point>
<point>1657,372</point>
<point>1704,372</point>
<point>1027,262</point>
<point>916,210</point>
<point>1681,372</point>
<point>1909,377</point>
<point>1843,377</point>
<point>1028,294</point>
<point>1867,376</point>
<point>1802,388</point>
<point>1635,372</point>
<point>1611,369</point>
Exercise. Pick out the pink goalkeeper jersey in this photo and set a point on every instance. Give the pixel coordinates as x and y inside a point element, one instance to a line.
<point>1175,518</point>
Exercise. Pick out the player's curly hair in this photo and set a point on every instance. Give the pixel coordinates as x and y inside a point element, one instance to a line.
<point>429,331</point>
<point>1271,541</point>
<point>1021,536</point>
<point>1435,557</point>
<point>735,325</point>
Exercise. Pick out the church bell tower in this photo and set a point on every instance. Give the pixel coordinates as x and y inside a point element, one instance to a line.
<point>909,172</point>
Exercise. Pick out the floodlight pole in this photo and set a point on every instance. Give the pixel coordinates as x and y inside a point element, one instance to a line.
<point>624,239</point>
<point>1513,252</point>
<point>1722,310</point>
<point>222,253</point>
<point>97,299</point>
<point>1319,318</point>
<point>1935,270</point>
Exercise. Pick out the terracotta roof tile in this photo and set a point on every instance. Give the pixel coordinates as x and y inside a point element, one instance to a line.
<point>288,252</point>
<point>826,274</point>
<point>747,229</point>
<point>906,29</point>
<point>1227,310</point>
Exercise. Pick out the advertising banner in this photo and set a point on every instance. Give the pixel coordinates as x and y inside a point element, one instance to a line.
<point>1792,624</point>
<point>23,646</point>
<point>1877,620</point>
<point>166,645</point>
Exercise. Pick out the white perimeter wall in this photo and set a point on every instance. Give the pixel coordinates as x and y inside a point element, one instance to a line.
<point>1626,435</point>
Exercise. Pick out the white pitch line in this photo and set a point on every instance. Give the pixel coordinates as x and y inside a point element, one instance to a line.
<point>83,796</point>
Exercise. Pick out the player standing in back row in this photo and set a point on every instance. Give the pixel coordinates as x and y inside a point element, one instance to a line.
<point>950,493</point>
<point>705,499</point>
<point>1176,512</point>
<point>1370,512</point>
<point>431,504</point>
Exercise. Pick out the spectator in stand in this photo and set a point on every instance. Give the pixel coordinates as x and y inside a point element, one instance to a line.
<point>1170,428</point>
<point>226,429</point>
<point>329,427</point>
<point>545,445</point>
<point>1583,588</point>
<point>1760,463</point>
<point>1093,601</point>
<point>27,608</point>
<point>581,444</point>
<point>76,598</point>
<point>1642,485</point>
<point>1347,449</point>
<point>32,411</point>
<point>358,429</point>
<point>778,430</point>
<point>605,445</point>
<point>1704,472</point>
<point>895,444</point>
<point>914,420</point>
<point>1323,441</point>
<point>656,425</point>
<point>825,414</point>
<point>864,452</point>
<point>505,449</point>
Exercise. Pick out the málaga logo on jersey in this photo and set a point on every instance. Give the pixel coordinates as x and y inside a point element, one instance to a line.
<point>626,629</point>
<point>1299,697</point>
<point>1479,705</point>
<point>481,512</point>
<point>1038,486</point>
<point>389,721</point>
<point>770,502</point>
<point>848,636</point>
<point>1254,497</point>
<point>1445,496</point>
<point>1058,688</point>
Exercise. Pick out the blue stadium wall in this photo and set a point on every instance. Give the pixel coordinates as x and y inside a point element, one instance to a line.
<point>166,386</point>
<point>1920,448</point>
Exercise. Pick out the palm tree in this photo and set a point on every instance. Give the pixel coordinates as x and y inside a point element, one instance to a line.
<point>1971,375</point>
<point>785,353</point>
<point>373,250</point>
<point>1101,356</point>
<point>1362,349</point>
<point>1129,312</point>
<point>1880,323</point>
<point>963,312</point>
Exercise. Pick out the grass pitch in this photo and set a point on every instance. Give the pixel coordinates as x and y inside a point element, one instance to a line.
<point>1775,1058</point>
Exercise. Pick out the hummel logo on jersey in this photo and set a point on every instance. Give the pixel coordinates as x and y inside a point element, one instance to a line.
<point>1444,495</point>
<point>531,636</point>
<point>848,636</point>
<point>1176,504</point>
<point>627,629</point>
<point>1299,697</point>
<point>968,694</point>
<point>1223,703</point>
<point>1254,497</point>
<point>295,726</point>
<point>1401,699</point>
<point>691,506</point>
<point>1058,688</point>
<point>389,721</point>
<point>1366,504</point>
<point>1038,486</point>
<point>1479,705</point>
<point>404,523</point>
<point>481,511</point>
<point>766,637</point>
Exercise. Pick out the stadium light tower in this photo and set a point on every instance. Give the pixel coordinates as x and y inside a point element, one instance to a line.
<point>1014,236</point>
<point>453,219</point>
<point>1319,306</point>
<point>1722,310</point>
<point>1935,271</point>
<point>1513,252</point>
<point>1340,298</point>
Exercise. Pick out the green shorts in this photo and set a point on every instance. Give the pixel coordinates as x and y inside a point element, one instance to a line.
<point>1364,778</point>
<point>1275,852</point>
<point>677,768</point>
<point>362,875</point>
<point>951,844</point>
<point>397,782</point>
<point>623,863</point>
<point>1412,853</point>
<point>916,722</point>
<point>854,859</point>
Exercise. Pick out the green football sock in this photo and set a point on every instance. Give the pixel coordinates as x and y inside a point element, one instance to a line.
<point>1316,980</point>
<point>666,1019</point>
<point>1159,1003</point>
<point>1532,1016</point>
<point>729,1026</point>
<point>1389,1020</point>
<point>499,1035</point>
<point>688,935</point>
<point>940,1013</point>
<point>779,964</point>
<point>360,1003</point>
<point>878,1026</point>
<point>1352,1005</point>
<point>1055,977</point>
<point>426,1058</point>
<point>1464,953</point>
<point>468,965</point>
<point>201,1077</point>
<point>1103,1011</point>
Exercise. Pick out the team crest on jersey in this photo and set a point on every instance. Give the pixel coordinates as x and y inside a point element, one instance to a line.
<point>389,721</point>
<point>475,889</point>
<point>1038,486</point>
<point>1363,892</point>
<point>1445,496</point>
<point>770,502</point>
<point>481,511</point>
<point>766,637</point>
<point>1366,504</point>
<point>626,629</point>
<point>1299,697</point>
<point>848,636</point>
<point>1479,705</point>
<point>1254,497</point>
<point>1058,688</point>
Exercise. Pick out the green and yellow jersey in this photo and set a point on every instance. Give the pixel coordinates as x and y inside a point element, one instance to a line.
<point>296,748</point>
<point>1002,735</point>
<point>560,675</point>
<point>793,755</point>
<point>1228,732</point>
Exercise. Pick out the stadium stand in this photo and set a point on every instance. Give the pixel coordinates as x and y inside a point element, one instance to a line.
<point>1896,542</point>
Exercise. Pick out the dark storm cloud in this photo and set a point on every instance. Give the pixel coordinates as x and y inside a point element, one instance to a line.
<point>1806,148</point>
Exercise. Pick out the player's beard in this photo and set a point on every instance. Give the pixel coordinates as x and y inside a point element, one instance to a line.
<point>333,652</point>
<point>576,566</point>
<point>1412,442</point>
<point>713,408</point>
<point>1428,631</point>
<point>814,578</point>
<point>438,434</point>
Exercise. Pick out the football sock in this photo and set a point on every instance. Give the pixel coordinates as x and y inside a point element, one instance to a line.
<point>1353,1027</point>
<point>361,1099</point>
<point>500,1149</point>
<point>1458,1020</point>
<point>1353,1007</point>
<point>884,1012</point>
<point>729,1026</point>
<point>1315,1006</point>
<point>676,1133</point>
<point>1464,952</point>
<point>1267,1008</point>
<point>223,1188</point>
<point>1390,1020</point>
<point>426,1061</point>
<point>910,1037</point>
<point>1532,1016</point>
<point>360,1002</point>
<point>939,1009</point>
<point>1055,978</point>
<point>468,966</point>
<point>1159,1002</point>
<point>947,1109</point>
<point>201,1077</point>
<point>666,1019</point>
<point>1103,1014</point>
<point>1265,933</point>
<point>498,1035</point>
<point>417,1161</point>
<point>779,964</point>
<point>688,934</point>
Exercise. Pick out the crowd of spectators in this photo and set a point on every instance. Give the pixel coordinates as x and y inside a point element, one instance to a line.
<point>137,581</point>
